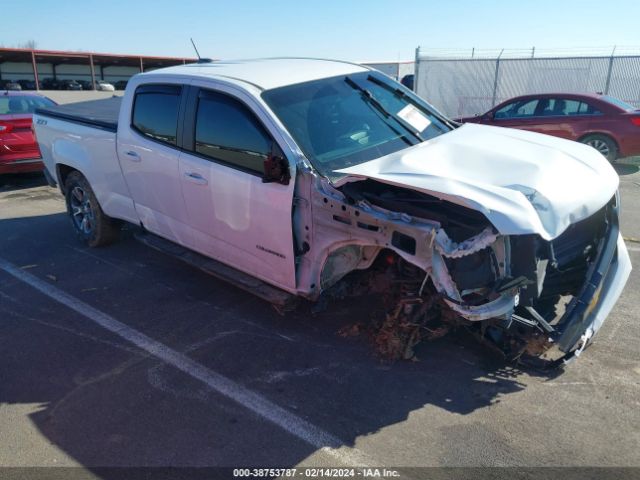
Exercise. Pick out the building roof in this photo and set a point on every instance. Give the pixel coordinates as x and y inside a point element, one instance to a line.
<point>267,73</point>
<point>81,57</point>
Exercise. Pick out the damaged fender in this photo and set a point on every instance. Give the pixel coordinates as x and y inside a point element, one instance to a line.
<point>348,235</point>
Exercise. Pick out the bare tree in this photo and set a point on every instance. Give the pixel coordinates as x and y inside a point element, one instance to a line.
<point>31,44</point>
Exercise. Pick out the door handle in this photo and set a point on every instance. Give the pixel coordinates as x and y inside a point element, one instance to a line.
<point>133,156</point>
<point>196,178</point>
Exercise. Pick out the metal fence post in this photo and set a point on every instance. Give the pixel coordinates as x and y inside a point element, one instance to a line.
<point>608,82</point>
<point>34,64</point>
<point>495,80</point>
<point>93,72</point>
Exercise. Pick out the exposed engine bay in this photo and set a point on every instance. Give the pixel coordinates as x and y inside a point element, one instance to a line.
<point>440,266</point>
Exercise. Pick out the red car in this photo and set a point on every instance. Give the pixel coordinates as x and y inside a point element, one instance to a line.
<point>609,125</point>
<point>18,147</point>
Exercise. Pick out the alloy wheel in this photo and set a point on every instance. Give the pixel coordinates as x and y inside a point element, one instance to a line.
<point>600,145</point>
<point>81,210</point>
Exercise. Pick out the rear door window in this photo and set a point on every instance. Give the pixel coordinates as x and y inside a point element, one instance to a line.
<point>587,109</point>
<point>155,112</point>
<point>572,107</point>
<point>559,107</point>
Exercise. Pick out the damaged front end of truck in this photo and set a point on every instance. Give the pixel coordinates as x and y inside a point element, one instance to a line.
<point>440,265</point>
<point>509,233</point>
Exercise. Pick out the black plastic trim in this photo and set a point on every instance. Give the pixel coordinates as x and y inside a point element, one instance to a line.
<point>575,318</point>
<point>50,180</point>
<point>165,88</point>
<point>189,121</point>
<point>107,126</point>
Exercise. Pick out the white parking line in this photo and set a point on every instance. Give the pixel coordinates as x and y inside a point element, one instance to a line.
<point>249,399</point>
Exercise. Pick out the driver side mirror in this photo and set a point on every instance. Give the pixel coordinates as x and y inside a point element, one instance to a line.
<point>488,116</point>
<point>276,167</point>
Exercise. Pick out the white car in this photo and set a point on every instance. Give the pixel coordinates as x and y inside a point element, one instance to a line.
<point>303,178</point>
<point>104,86</point>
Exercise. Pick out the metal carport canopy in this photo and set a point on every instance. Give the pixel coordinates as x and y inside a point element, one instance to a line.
<point>58,57</point>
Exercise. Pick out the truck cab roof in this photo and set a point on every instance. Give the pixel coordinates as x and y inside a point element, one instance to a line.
<point>265,73</point>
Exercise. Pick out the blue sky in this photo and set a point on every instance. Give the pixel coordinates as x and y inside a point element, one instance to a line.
<point>348,29</point>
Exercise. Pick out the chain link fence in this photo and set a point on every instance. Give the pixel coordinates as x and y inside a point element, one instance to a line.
<point>467,86</point>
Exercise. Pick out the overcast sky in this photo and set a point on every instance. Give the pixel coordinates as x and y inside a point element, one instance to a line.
<point>348,29</point>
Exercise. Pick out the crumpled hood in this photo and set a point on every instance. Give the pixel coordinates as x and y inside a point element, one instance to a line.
<point>523,182</point>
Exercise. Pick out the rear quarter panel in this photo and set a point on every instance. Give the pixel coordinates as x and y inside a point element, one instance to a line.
<point>92,151</point>
<point>620,128</point>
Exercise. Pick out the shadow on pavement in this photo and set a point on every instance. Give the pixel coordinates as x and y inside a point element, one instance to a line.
<point>103,402</point>
<point>625,169</point>
<point>19,181</point>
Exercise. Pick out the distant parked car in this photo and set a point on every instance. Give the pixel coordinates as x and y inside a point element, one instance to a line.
<point>104,86</point>
<point>27,84</point>
<point>608,124</point>
<point>85,84</point>
<point>407,81</point>
<point>121,84</point>
<point>70,85</point>
<point>19,152</point>
<point>50,84</point>
<point>9,85</point>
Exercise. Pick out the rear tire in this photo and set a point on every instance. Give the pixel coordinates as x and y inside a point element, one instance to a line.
<point>90,223</point>
<point>604,144</point>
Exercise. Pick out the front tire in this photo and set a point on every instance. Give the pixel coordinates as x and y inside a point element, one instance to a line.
<point>604,144</point>
<point>90,223</point>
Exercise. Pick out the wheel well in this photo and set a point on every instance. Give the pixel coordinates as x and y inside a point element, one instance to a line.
<point>63,172</point>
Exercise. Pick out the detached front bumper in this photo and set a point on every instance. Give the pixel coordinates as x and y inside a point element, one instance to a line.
<point>606,279</point>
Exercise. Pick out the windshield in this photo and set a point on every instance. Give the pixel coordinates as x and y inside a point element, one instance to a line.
<point>21,104</point>
<point>343,121</point>
<point>618,103</point>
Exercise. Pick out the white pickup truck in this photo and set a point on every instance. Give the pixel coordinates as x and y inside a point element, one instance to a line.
<point>310,178</point>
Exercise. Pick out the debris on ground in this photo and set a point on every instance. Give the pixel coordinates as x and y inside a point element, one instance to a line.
<point>405,309</point>
<point>350,330</point>
<point>408,310</point>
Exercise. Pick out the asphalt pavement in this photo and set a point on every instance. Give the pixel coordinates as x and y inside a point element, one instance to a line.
<point>122,356</point>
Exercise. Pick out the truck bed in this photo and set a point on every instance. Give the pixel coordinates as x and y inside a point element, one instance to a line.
<point>94,113</point>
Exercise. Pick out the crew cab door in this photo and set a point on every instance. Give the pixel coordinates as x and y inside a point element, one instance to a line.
<point>234,216</point>
<point>149,150</point>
